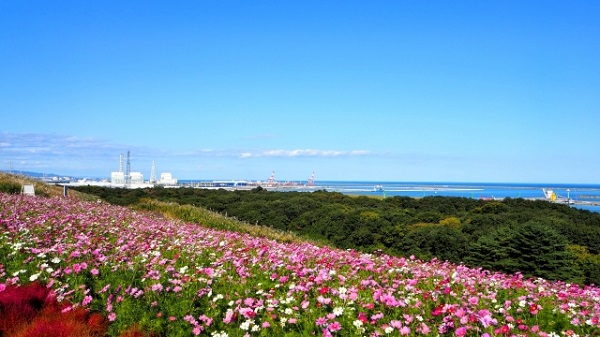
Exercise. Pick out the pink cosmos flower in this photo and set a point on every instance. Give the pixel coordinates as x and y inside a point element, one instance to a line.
<point>396,324</point>
<point>86,300</point>
<point>228,317</point>
<point>461,331</point>
<point>334,326</point>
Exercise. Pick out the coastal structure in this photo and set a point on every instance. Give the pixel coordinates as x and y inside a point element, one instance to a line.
<point>269,184</point>
<point>125,178</point>
<point>166,179</point>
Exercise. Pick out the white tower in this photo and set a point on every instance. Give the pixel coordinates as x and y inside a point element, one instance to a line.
<point>153,174</point>
<point>128,171</point>
<point>121,163</point>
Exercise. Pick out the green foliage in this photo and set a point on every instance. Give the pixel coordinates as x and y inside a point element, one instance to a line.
<point>451,221</point>
<point>493,207</point>
<point>429,241</point>
<point>587,262</point>
<point>534,249</point>
<point>10,187</point>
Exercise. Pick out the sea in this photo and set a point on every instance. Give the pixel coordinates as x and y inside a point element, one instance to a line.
<point>584,196</point>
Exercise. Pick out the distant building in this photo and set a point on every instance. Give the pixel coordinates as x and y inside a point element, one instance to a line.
<point>125,178</point>
<point>167,179</point>
<point>136,178</point>
<point>117,178</point>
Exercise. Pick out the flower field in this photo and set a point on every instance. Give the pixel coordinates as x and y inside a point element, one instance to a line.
<point>171,278</point>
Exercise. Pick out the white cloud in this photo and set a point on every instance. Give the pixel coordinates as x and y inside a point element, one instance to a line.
<point>303,153</point>
<point>51,145</point>
<point>76,155</point>
<point>36,144</point>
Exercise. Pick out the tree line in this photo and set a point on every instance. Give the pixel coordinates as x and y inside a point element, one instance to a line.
<point>534,237</point>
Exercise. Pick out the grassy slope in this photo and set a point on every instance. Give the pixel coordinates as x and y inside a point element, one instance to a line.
<point>12,184</point>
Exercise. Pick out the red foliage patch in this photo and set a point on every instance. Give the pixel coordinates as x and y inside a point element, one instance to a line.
<point>135,331</point>
<point>33,311</point>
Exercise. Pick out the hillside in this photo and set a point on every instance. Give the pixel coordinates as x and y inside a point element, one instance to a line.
<point>536,238</point>
<point>12,184</point>
<point>174,278</point>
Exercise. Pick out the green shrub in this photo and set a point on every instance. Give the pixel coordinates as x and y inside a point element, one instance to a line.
<point>10,188</point>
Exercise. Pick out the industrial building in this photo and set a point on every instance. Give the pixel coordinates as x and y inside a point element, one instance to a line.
<point>131,179</point>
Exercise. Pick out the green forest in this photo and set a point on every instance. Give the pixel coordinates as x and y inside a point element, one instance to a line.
<point>533,237</point>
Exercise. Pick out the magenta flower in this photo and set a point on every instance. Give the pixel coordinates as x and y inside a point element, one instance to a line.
<point>461,331</point>
<point>334,326</point>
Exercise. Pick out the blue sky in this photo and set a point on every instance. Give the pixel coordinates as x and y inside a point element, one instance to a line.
<point>471,91</point>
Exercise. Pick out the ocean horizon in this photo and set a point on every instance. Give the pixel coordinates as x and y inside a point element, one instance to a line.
<point>585,196</point>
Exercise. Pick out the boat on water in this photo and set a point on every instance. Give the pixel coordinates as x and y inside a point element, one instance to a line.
<point>378,188</point>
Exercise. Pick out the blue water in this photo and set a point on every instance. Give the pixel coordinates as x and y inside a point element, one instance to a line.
<point>577,192</point>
